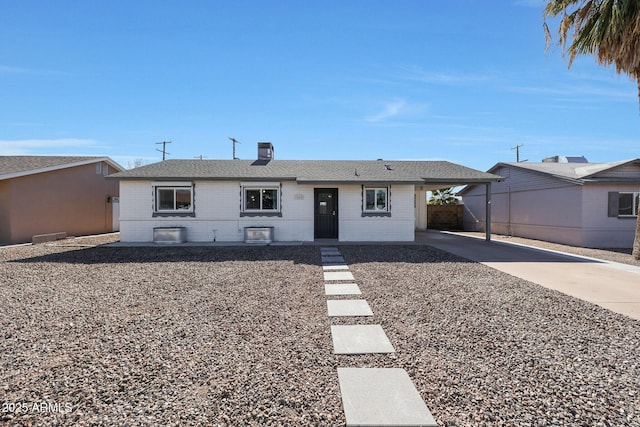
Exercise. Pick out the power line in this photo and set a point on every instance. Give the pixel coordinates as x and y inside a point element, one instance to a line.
<point>164,149</point>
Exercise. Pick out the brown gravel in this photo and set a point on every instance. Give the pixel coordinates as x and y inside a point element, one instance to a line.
<point>240,336</point>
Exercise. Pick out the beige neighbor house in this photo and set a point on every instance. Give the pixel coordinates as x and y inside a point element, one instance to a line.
<point>56,194</point>
<point>294,200</point>
<point>562,199</point>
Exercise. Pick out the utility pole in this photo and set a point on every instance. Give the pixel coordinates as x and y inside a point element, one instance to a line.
<point>517,148</point>
<point>234,141</point>
<point>164,149</point>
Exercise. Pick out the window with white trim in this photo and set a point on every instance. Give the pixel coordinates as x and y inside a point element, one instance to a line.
<point>376,200</point>
<point>173,199</point>
<point>628,204</point>
<point>261,199</point>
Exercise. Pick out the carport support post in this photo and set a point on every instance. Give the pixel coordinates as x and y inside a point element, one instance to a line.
<point>488,213</point>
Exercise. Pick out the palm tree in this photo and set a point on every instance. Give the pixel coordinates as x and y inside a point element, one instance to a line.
<point>443,196</point>
<point>608,29</point>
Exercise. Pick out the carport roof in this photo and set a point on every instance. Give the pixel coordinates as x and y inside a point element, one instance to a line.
<point>439,174</point>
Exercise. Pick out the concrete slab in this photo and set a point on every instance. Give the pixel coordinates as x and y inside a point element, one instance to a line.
<point>382,397</point>
<point>335,267</point>
<point>360,339</point>
<point>341,289</point>
<point>351,307</point>
<point>338,275</point>
<point>599,282</point>
<point>328,249</point>
<point>332,259</point>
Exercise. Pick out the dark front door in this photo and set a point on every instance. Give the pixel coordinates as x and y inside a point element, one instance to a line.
<point>326,213</point>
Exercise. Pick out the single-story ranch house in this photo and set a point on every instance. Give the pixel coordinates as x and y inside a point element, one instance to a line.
<point>56,195</point>
<point>563,200</point>
<point>297,200</point>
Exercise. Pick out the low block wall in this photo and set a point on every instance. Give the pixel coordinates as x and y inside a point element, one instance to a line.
<point>445,217</point>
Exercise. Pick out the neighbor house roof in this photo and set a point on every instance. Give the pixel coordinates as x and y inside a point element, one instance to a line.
<point>576,173</point>
<point>16,166</point>
<point>571,171</point>
<point>439,173</point>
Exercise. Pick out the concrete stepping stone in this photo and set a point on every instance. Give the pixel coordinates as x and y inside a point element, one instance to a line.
<point>348,307</point>
<point>341,289</point>
<point>360,339</point>
<point>329,249</point>
<point>332,259</point>
<point>382,397</point>
<point>335,267</point>
<point>338,275</point>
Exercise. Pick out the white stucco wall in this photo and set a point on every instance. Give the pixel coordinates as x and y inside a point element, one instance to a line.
<point>600,230</point>
<point>552,215</point>
<point>217,207</point>
<point>538,207</point>
<point>400,226</point>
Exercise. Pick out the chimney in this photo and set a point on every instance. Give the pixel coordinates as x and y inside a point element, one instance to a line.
<point>265,151</point>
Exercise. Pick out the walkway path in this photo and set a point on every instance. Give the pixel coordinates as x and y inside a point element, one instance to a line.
<point>611,285</point>
<point>370,396</point>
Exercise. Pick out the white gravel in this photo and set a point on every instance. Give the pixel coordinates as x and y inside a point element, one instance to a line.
<point>240,336</point>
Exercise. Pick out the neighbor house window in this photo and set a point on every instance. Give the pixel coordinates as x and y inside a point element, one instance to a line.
<point>628,204</point>
<point>261,199</point>
<point>376,199</point>
<point>173,199</point>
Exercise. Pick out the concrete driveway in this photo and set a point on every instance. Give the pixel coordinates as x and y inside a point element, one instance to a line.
<point>611,285</point>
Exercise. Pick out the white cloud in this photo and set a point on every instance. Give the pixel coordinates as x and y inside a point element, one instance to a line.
<point>391,109</point>
<point>439,78</point>
<point>42,146</point>
<point>7,69</point>
<point>579,92</point>
<point>531,3</point>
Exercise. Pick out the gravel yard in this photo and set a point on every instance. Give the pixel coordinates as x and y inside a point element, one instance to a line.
<point>240,336</point>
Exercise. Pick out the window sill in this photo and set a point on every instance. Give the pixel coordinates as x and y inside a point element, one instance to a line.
<point>256,214</point>
<point>376,214</point>
<point>173,214</point>
<point>627,216</point>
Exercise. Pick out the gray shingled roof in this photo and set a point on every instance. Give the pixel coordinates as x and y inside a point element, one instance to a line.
<point>311,171</point>
<point>572,172</point>
<point>11,166</point>
<point>568,170</point>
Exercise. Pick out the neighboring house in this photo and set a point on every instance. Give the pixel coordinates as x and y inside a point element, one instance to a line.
<point>581,204</point>
<point>302,200</point>
<point>52,194</point>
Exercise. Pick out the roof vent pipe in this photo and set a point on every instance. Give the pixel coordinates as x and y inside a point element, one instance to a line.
<point>265,151</point>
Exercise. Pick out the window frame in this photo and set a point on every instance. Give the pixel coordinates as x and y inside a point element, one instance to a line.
<point>260,188</point>
<point>175,187</point>
<point>635,202</point>
<point>375,211</point>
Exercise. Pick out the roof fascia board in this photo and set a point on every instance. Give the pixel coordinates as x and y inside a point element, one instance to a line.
<point>199,178</point>
<point>351,182</point>
<point>62,166</point>
<point>613,166</point>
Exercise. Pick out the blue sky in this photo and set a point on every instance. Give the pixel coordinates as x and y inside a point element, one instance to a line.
<point>459,80</point>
